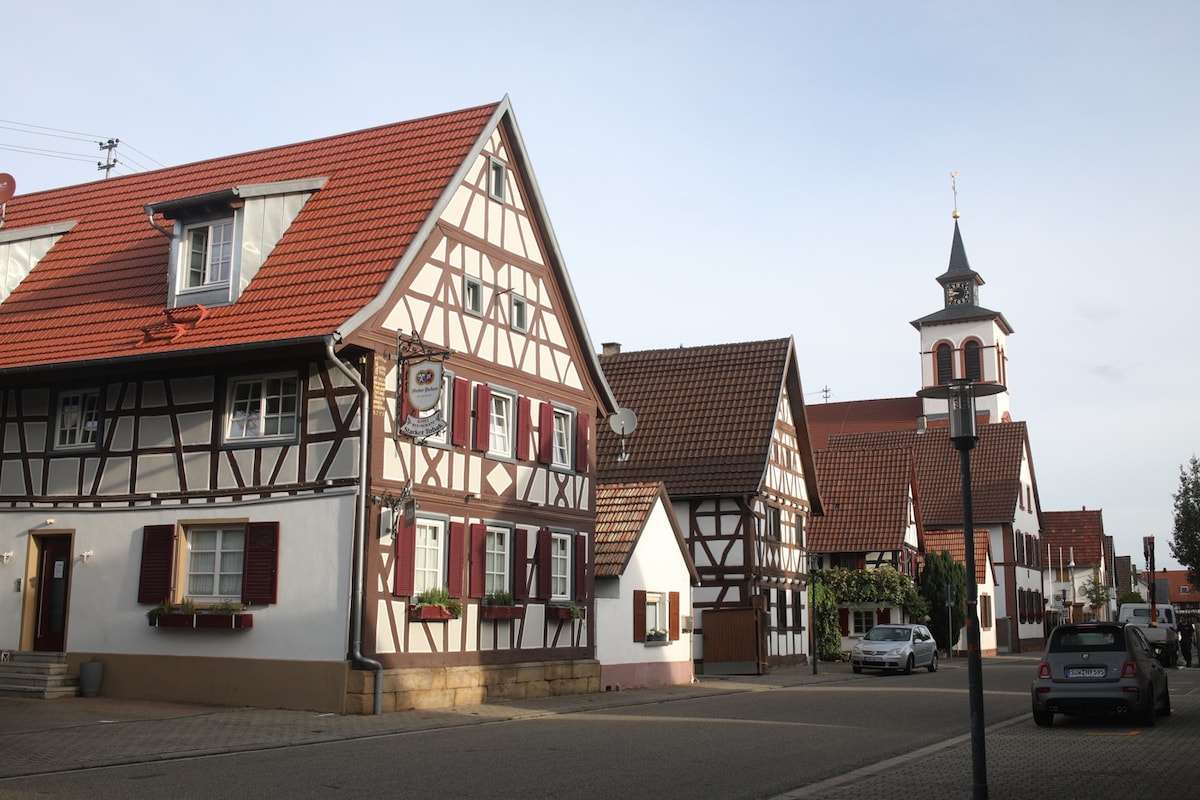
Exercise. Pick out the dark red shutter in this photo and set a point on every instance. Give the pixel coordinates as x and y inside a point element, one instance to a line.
<point>544,541</point>
<point>546,433</point>
<point>581,586</point>
<point>673,606</point>
<point>885,616</point>
<point>458,559</point>
<point>404,582</point>
<point>483,416</point>
<point>260,563</point>
<point>406,407</point>
<point>844,621</point>
<point>158,564</point>
<point>520,564</point>
<point>639,615</point>
<point>460,424</point>
<point>583,431</point>
<point>524,428</point>
<point>478,560</point>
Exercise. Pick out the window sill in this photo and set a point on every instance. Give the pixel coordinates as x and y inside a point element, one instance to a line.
<point>236,622</point>
<point>429,614</point>
<point>656,643</point>
<point>502,612</point>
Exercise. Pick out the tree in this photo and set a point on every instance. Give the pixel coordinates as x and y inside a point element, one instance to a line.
<point>1131,597</point>
<point>1186,545</point>
<point>942,571</point>
<point>825,621</point>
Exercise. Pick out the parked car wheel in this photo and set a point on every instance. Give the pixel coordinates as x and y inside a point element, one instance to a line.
<point>1165,709</point>
<point>908,665</point>
<point>1043,719</point>
<point>933,662</point>
<point>857,670</point>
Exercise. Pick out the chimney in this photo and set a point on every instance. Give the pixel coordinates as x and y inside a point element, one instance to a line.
<point>610,348</point>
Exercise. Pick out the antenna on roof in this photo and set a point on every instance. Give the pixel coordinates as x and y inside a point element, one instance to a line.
<point>8,187</point>
<point>954,188</point>
<point>623,422</point>
<point>110,160</point>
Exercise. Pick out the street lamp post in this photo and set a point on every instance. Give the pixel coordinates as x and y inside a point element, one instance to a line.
<point>960,396</point>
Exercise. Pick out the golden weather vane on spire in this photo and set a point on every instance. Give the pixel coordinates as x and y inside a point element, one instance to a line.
<point>954,188</point>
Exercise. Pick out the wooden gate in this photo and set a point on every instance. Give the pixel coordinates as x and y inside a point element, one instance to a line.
<point>734,642</point>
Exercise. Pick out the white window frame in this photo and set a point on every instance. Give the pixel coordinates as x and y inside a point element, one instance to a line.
<point>519,314</point>
<point>221,246</point>
<point>227,557</point>
<point>429,563</point>
<point>861,621</point>
<point>259,427</point>
<point>502,419</point>
<point>657,611</point>
<point>497,175</point>
<point>563,443</point>
<point>497,558</point>
<point>560,566</point>
<point>79,425</point>
<point>472,299</point>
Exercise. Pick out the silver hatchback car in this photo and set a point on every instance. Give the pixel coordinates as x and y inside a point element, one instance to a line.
<point>1099,668</point>
<point>895,647</point>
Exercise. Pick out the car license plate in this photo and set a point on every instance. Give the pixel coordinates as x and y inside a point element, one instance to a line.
<point>873,660</point>
<point>1085,672</point>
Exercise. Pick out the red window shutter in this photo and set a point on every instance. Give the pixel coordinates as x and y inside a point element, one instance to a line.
<point>460,423</point>
<point>673,613</point>
<point>543,563</point>
<point>158,564</point>
<point>844,621</point>
<point>546,433</point>
<point>260,563</point>
<point>520,563</point>
<point>581,552</point>
<point>458,559</point>
<point>524,428</point>
<point>478,559</point>
<point>583,430</point>
<point>884,616</point>
<point>483,416</point>
<point>404,582</point>
<point>639,615</point>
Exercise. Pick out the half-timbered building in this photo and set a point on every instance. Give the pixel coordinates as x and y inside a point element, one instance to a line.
<point>306,427</point>
<point>724,428</point>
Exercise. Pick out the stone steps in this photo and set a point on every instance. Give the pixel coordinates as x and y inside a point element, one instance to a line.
<point>36,675</point>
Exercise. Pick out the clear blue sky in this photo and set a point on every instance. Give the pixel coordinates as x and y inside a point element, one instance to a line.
<point>721,172</point>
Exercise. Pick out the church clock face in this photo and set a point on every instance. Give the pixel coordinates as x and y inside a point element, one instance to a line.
<point>958,294</point>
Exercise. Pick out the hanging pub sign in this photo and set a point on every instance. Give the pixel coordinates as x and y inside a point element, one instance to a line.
<point>424,391</point>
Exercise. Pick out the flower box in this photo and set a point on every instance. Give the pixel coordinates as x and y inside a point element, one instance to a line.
<point>236,622</point>
<point>429,614</point>
<point>565,612</point>
<point>502,612</point>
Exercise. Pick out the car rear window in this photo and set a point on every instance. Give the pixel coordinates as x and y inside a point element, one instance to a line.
<point>1074,640</point>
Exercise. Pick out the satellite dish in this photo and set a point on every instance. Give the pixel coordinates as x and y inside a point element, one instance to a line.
<point>623,422</point>
<point>8,187</point>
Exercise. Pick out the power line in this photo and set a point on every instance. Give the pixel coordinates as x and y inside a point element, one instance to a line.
<point>108,144</point>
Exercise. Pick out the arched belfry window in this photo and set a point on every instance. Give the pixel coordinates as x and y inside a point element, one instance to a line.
<point>973,364</point>
<point>944,364</point>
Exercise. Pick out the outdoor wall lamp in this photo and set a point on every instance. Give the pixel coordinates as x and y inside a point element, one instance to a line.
<point>960,397</point>
<point>86,556</point>
<point>6,557</point>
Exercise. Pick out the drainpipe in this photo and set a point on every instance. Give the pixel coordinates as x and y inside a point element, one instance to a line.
<point>360,528</point>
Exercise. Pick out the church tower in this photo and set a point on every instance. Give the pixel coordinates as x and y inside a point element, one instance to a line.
<point>963,339</point>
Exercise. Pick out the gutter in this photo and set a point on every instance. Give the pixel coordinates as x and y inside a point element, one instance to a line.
<point>360,528</point>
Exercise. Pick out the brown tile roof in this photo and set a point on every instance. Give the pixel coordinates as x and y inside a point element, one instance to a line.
<point>705,416</point>
<point>1177,579</point>
<point>1078,532</point>
<point>865,494</point>
<point>622,511</point>
<point>995,470</point>
<point>862,416</point>
<point>91,295</point>
<point>954,542</point>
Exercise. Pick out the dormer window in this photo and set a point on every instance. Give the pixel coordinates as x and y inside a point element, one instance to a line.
<point>209,253</point>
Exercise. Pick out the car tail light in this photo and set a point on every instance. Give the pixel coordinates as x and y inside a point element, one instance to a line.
<point>1129,669</point>
<point>1044,671</point>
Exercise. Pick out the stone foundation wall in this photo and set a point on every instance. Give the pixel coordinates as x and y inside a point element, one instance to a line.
<point>445,687</point>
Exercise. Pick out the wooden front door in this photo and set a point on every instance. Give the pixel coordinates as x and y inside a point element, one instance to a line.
<point>53,586</point>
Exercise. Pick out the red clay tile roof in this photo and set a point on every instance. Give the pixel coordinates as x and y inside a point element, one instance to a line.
<point>995,470</point>
<point>1176,580</point>
<point>862,416</point>
<point>705,416</point>
<point>622,511</point>
<point>91,295</point>
<point>866,499</point>
<point>954,542</point>
<point>1081,532</point>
